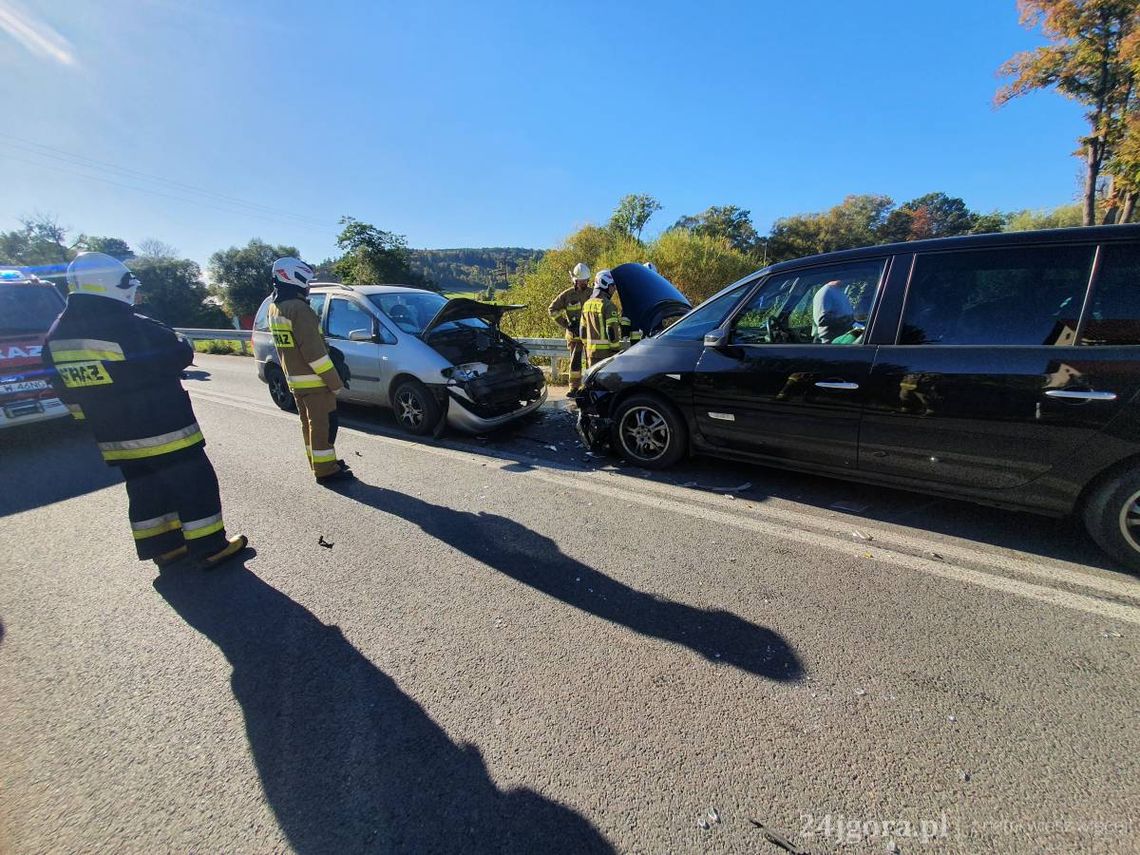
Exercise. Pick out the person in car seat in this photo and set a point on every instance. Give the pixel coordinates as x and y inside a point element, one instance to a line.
<point>120,372</point>
<point>832,313</point>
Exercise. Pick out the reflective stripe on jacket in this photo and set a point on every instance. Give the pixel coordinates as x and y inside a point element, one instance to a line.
<point>301,347</point>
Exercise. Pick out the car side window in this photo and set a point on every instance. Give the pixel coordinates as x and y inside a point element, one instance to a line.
<point>1014,296</point>
<point>261,319</point>
<point>1114,311</point>
<point>706,317</point>
<point>317,303</point>
<point>818,305</point>
<point>345,317</point>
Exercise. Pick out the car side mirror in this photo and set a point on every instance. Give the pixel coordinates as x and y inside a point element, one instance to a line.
<point>716,339</point>
<point>361,335</point>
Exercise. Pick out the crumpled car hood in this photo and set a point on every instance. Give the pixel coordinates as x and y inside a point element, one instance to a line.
<point>462,308</point>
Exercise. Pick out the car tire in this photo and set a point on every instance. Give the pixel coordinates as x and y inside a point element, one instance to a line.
<point>1112,517</point>
<point>279,389</point>
<point>649,432</point>
<point>416,408</point>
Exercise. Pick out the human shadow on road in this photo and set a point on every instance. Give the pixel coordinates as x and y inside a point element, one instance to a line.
<point>533,559</point>
<point>49,462</point>
<point>348,762</point>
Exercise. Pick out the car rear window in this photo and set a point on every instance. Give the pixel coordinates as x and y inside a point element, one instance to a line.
<point>1114,312</point>
<point>28,308</point>
<point>1014,296</point>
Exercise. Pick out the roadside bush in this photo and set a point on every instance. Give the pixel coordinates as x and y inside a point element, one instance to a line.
<point>222,347</point>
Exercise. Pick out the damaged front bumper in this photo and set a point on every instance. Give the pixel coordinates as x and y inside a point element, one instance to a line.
<point>489,402</point>
<point>594,419</point>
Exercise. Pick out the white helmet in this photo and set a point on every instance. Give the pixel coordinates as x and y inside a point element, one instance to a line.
<point>651,266</point>
<point>293,271</point>
<point>103,276</point>
<point>580,273</point>
<point>604,280</point>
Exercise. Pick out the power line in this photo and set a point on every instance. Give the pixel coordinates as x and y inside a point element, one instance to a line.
<point>104,167</point>
<point>267,214</point>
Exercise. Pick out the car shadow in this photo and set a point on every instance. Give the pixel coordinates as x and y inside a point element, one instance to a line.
<point>349,762</point>
<point>535,560</point>
<point>49,462</point>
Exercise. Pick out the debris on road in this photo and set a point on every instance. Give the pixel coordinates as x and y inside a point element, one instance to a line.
<point>862,535</point>
<point>963,775</point>
<point>322,542</point>
<point>703,823</point>
<point>851,507</point>
<point>1111,633</point>
<point>778,839</point>
<point>714,817</point>
<point>934,555</point>
<point>358,454</point>
<point>951,718</point>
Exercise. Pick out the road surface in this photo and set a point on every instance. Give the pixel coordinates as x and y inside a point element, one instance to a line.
<point>514,647</point>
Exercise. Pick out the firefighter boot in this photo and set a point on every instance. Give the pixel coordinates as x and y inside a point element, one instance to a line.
<point>233,546</point>
<point>172,557</point>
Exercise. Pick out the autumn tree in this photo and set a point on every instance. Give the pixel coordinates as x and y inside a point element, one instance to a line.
<point>633,213</point>
<point>112,246</point>
<point>1093,57</point>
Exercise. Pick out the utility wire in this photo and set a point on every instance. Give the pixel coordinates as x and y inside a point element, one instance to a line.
<point>72,159</point>
<point>267,214</point>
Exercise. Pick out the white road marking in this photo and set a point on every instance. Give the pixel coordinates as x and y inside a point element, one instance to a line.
<point>660,497</point>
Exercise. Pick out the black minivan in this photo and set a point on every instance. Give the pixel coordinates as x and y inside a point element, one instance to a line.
<point>1002,369</point>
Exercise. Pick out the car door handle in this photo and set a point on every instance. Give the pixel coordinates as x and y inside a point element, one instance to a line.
<point>1080,395</point>
<point>837,386</point>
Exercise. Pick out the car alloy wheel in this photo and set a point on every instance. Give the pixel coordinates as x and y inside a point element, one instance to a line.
<point>644,433</point>
<point>279,390</point>
<point>409,408</point>
<point>1130,521</point>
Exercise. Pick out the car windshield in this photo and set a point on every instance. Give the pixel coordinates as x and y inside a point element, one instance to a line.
<point>28,309</point>
<point>413,311</point>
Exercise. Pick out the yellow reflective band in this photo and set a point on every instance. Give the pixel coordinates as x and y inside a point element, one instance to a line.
<point>322,365</point>
<point>154,527</point>
<point>86,349</point>
<point>324,456</point>
<point>204,527</point>
<point>305,381</point>
<point>78,374</point>
<point>135,449</point>
<point>76,412</point>
<point>613,321</point>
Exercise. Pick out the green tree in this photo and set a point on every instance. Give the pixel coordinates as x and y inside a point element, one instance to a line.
<point>699,264</point>
<point>938,215</point>
<point>633,213</point>
<point>173,292</point>
<point>1065,216</point>
<point>373,256</point>
<point>1124,167</point>
<point>1093,57</point>
<point>856,221</point>
<point>729,222</point>
<point>114,247</point>
<point>243,274</point>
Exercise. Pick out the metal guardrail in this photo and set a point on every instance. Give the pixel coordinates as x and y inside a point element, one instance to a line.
<point>215,335</point>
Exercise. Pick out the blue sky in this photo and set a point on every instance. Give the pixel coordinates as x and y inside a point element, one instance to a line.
<point>480,124</point>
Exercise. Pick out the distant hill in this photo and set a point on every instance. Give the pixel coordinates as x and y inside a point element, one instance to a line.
<point>471,269</point>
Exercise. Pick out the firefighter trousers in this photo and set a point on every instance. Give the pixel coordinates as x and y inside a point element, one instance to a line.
<point>175,503</point>
<point>575,346</point>
<point>319,426</point>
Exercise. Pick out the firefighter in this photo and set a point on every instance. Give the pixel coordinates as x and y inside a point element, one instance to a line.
<point>601,321</point>
<point>567,313</point>
<point>119,372</point>
<point>309,369</point>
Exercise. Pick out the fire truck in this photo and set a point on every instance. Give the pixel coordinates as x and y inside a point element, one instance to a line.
<point>28,307</point>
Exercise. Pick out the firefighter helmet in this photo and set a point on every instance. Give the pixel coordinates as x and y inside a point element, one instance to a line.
<point>293,271</point>
<point>102,276</point>
<point>604,281</point>
<point>580,273</point>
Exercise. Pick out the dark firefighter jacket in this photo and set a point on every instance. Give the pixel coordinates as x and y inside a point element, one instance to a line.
<point>121,372</point>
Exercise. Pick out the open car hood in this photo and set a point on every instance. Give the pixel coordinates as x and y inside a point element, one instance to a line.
<point>647,297</point>
<point>462,308</point>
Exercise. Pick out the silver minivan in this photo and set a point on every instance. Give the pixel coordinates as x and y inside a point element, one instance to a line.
<point>434,361</point>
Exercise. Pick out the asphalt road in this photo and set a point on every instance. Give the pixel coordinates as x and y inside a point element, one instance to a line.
<point>514,647</point>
